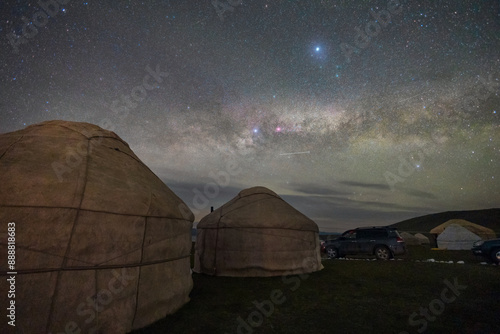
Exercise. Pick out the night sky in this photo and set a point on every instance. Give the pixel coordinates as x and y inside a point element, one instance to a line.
<point>355,112</point>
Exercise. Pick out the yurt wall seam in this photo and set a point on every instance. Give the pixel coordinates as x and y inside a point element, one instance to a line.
<point>95,298</point>
<point>64,261</point>
<point>136,296</point>
<point>181,216</point>
<point>70,129</point>
<point>259,193</point>
<point>142,258</point>
<point>116,137</point>
<point>270,228</point>
<point>216,242</point>
<point>10,146</point>
<point>112,266</point>
<point>258,227</point>
<point>88,210</point>
<point>118,150</point>
<point>77,216</point>
<point>96,266</point>
<point>90,137</point>
<point>110,137</point>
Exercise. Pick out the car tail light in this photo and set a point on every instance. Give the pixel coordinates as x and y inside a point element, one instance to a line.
<point>399,239</point>
<point>478,243</point>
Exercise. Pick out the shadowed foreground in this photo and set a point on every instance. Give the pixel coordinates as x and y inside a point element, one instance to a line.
<point>349,297</point>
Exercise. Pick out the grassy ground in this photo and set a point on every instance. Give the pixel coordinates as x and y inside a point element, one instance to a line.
<point>349,297</point>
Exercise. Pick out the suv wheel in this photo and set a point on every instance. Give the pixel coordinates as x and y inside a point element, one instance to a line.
<point>495,255</point>
<point>383,253</point>
<point>332,252</point>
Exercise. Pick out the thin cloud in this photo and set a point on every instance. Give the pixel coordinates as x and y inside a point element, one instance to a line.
<point>365,185</point>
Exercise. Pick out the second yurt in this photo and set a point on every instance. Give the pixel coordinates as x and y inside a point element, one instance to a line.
<point>257,233</point>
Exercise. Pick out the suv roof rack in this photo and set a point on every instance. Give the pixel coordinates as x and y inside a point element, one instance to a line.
<point>372,227</point>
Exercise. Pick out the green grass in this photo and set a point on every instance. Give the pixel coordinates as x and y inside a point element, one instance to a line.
<point>347,297</point>
<point>425,253</point>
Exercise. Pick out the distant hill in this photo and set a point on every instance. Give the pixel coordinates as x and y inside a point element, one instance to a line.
<point>488,218</point>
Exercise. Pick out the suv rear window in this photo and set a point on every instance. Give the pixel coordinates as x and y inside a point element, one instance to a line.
<point>375,233</point>
<point>394,234</point>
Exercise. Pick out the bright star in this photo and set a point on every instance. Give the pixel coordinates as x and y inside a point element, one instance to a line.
<point>318,52</point>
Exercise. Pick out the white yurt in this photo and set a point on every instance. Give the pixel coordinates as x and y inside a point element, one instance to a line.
<point>456,237</point>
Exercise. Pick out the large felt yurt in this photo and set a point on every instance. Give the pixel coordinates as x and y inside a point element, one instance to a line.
<point>102,244</point>
<point>257,234</point>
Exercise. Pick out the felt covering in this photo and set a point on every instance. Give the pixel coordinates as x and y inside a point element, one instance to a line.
<point>101,242</point>
<point>456,237</point>
<point>257,234</point>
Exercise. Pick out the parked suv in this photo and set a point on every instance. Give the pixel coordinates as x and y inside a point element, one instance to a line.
<point>383,242</point>
<point>488,249</point>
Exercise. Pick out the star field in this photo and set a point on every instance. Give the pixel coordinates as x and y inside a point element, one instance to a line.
<point>356,112</point>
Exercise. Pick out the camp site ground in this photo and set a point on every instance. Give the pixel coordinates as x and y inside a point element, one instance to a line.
<point>353,295</point>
